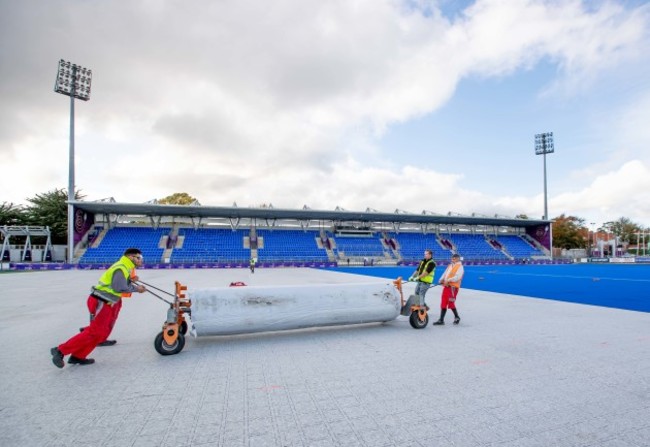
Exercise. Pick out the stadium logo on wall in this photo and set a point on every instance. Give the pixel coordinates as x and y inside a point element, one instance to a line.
<point>79,221</point>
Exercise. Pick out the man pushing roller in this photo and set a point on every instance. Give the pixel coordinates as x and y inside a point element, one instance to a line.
<point>111,285</point>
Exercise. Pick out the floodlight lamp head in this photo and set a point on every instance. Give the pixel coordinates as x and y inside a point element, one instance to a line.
<point>544,143</point>
<point>73,80</point>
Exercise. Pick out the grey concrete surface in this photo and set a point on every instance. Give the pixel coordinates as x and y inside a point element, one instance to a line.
<point>516,372</point>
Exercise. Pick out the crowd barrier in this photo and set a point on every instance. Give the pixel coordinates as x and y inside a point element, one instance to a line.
<point>620,260</point>
<point>235,265</point>
<point>195,265</point>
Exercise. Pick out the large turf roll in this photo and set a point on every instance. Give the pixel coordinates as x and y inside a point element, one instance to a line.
<point>237,310</point>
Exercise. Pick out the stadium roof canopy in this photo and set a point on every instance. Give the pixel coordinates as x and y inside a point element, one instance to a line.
<point>304,214</point>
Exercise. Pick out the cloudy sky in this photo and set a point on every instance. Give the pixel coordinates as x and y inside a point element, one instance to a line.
<point>384,104</point>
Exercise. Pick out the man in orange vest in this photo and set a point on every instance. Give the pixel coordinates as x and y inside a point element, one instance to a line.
<point>450,281</point>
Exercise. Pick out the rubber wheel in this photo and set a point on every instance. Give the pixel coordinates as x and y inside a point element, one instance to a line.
<point>183,328</point>
<point>415,321</point>
<point>164,349</point>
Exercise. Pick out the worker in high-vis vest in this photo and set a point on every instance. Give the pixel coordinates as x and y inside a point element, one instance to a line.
<point>111,285</point>
<point>450,281</point>
<point>424,276</point>
<point>93,305</point>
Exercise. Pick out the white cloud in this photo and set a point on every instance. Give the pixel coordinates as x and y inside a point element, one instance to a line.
<point>624,192</point>
<point>279,103</point>
<point>632,130</point>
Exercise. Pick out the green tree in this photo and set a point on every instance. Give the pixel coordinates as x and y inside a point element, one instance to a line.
<point>178,198</point>
<point>624,229</point>
<point>569,232</point>
<point>50,209</point>
<point>11,214</point>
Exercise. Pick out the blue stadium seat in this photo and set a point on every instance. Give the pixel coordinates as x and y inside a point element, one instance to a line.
<point>412,246</point>
<point>517,247</point>
<point>360,246</point>
<point>475,247</point>
<point>119,239</point>
<point>290,245</point>
<point>211,245</point>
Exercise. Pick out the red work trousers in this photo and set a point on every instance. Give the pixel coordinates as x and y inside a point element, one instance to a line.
<point>448,299</point>
<point>96,332</point>
<point>93,304</point>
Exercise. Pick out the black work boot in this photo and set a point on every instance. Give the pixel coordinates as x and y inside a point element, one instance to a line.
<point>77,361</point>
<point>456,316</point>
<point>441,320</point>
<point>57,357</point>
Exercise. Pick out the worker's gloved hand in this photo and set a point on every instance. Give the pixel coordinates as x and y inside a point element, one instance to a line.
<point>140,289</point>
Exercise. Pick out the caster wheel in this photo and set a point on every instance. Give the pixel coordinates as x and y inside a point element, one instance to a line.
<point>165,349</point>
<point>416,322</point>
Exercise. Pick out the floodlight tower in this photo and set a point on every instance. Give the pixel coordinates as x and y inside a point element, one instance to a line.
<point>73,81</point>
<point>543,146</point>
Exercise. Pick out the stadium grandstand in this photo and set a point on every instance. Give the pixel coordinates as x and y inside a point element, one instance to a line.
<point>177,236</point>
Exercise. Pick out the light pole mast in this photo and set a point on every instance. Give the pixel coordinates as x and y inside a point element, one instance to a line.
<point>73,81</point>
<point>543,146</point>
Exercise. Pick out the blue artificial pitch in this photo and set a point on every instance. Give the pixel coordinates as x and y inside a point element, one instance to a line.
<point>607,285</point>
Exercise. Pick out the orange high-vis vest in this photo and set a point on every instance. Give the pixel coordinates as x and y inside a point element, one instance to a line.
<point>128,294</point>
<point>451,272</point>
